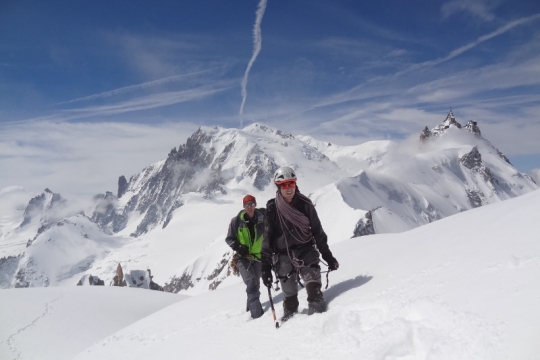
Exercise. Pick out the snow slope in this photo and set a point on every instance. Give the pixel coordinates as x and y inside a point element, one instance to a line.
<point>57,322</point>
<point>464,287</point>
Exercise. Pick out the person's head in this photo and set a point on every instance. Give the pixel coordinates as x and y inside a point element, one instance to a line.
<point>249,202</point>
<point>285,180</point>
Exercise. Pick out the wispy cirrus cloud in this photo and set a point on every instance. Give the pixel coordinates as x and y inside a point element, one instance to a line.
<point>128,89</point>
<point>379,86</point>
<point>462,49</point>
<point>141,103</point>
<point>479,8</point>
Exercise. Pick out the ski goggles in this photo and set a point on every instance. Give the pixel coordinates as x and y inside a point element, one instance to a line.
<point>288,185</point>
<point>250,204</point>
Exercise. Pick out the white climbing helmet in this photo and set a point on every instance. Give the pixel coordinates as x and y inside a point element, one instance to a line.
<point>284,174</point>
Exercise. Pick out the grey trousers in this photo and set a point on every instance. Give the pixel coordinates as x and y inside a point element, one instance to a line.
<point>251,274</point>
<point>287,272</point>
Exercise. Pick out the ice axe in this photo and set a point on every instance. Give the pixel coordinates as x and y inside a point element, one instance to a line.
<point>272,307</point>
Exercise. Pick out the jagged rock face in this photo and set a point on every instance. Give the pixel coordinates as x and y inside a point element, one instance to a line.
<point>122,186</point>
<point>42,206</point>
<point>260,167</point>
<point>475,197</point>
<point>105,210</point>
<point>473,162</point>
<point>364,226</point>
<point>8,268</point>
<point>196,166</point>
<point>211,277</point>
<point>29,274</point>
<point>177,284</point>
<point>446,124</point>
<point>472,126</point>
<point>161,193</point>
<point>425,134</point>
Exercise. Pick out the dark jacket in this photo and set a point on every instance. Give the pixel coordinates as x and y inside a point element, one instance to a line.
<point>276,239</point>
<point>240,232</point>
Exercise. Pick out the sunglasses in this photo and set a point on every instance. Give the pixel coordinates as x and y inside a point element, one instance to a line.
<point>250,204</point>
<point>288,185</point>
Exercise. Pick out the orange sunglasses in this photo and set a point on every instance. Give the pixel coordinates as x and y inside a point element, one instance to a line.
<point>288,185</point>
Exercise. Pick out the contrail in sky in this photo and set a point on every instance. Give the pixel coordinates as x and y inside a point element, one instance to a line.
<point>257,42</point>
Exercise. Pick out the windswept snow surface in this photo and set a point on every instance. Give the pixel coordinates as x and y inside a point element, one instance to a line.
<point>464,287</point>
<point>58,322</point>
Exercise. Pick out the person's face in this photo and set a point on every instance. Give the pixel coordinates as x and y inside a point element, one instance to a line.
<point>287,190</point>
<point>250,208</point>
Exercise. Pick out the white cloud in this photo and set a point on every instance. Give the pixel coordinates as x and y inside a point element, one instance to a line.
<point>536,175</point>
<point>77,159</point>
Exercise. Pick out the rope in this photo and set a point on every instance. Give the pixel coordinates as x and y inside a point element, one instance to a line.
<point>288,214</point>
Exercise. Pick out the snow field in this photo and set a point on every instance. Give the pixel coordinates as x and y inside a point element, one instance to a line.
<point>461,288</point>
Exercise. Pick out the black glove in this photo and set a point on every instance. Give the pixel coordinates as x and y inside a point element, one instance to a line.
<point>333,264</point>
<point>241,250</point>
<point>266,275</point>
<point>331,261</point>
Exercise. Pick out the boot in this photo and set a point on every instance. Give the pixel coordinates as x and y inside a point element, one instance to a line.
<point>316,302</point>
<point>256,309</point>
<point>290,307</point>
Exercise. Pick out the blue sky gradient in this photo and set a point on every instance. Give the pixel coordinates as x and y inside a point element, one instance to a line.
<point>342,71</point>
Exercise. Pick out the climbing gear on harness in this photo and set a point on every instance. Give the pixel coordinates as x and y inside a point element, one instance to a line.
<point>234,265</point>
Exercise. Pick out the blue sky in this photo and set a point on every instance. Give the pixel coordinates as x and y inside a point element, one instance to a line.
<point>342,71</point>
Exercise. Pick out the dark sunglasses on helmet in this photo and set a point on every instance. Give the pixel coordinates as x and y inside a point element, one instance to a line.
<point>250,204</point>
<point>288,185</point>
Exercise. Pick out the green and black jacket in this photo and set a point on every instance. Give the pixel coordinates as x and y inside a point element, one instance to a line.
<point>239,232</point>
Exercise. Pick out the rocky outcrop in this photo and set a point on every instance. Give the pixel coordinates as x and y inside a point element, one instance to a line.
<point>122,186</point>
<point>8,268</point>
<point>105,209</point>
<point>364,226</point>
<point>473,161</point>
<point>90,281</point>
<point>450,121</point>
<point>45,206</point>
<point>472,126</point>
<point>177,284</point>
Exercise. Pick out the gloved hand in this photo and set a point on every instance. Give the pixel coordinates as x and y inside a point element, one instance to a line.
<point>333,264</point>
<point>330,260</point>
<point>241,250</point>
<point>266,275</point>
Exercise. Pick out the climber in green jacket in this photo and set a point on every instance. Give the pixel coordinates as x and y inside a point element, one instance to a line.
<point>245,237</point>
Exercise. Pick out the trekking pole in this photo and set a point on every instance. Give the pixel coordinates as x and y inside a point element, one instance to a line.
<point>272,306</point>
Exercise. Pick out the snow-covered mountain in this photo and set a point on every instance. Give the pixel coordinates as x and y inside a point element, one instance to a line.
<point>172,217</point>
<point>465,287</point>
<point>214,161</point>
<point>449,170</point>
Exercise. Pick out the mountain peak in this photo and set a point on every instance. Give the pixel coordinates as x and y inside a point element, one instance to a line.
<point>262,128</point>
<point>450,122</point>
